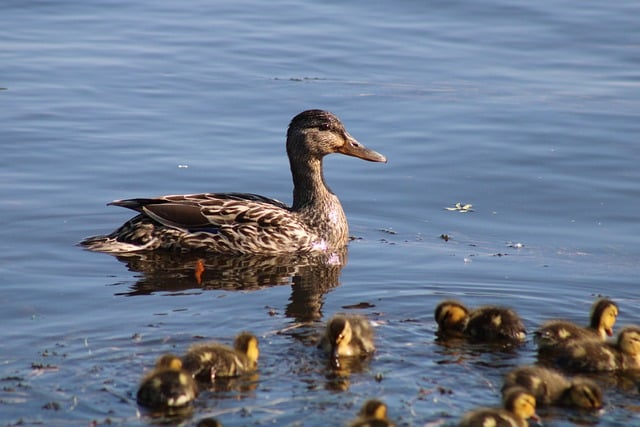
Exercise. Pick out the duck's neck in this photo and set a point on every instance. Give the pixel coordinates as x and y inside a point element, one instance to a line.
<point>316,203</point>
<point>309,188</point>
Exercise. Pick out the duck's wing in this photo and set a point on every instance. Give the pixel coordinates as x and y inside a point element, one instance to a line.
<point>210,211</point>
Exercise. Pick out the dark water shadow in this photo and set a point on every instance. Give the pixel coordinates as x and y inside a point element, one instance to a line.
<point>310,276</point>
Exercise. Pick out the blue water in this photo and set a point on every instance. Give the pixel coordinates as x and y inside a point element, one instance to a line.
<point>530,111</point>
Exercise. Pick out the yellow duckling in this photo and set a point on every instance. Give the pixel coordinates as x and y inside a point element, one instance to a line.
<point>594,355</point>
<point>347,335</point>
<point>451,317</point>
<point>550,387</point>
<point>518,406</point>
<point>604,314</point>
<point>167,385</point>
<point>209,361</point>
<point>484,324</point>
<point>372,414</point>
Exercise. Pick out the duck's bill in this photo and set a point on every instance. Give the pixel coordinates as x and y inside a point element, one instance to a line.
<point>536,419</point>
<point>352,147</point>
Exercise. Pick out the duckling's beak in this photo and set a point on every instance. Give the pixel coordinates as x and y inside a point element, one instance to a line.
<point>535,418</point>
<point>352,147</point>
<point>609,331</point>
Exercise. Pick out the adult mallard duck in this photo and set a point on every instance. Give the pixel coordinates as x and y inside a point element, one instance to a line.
<point>167,385</point>
<point>594,355</point>
<point>372,414</point>
<point>347,335</point>
<point>518,406</point>
<point>550,387</point>
<point>238,223</point>
<point>209,361</point>
<point>483,324</point>
<point>554,333</point>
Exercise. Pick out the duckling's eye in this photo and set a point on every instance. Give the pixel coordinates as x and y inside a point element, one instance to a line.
<point>324,126</point>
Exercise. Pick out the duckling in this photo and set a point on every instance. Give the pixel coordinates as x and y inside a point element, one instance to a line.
<point>518,406</point>
<point>347,335</point>
<point>209,361</point>
<point>168,385</point>
<point>550,387</point>
<point>604,313</point>
<point>451,317</point>
<point>372,414</point>
<point>593,355</point>
<point>209,422</point>
<point>484,324</point>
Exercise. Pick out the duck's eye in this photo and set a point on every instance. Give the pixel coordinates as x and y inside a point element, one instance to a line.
<point>324,126</point>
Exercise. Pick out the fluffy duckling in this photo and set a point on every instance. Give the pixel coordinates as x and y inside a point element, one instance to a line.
<point>484,324</point>
<point>451,317</point>
<point>167,385</point>
<point>347,335</point>
<point>209,361</point>
<point>604,313</point>
<point>550,387</point>
<point>518,406</point>
<point>372,414</point>
<point>594,355</point>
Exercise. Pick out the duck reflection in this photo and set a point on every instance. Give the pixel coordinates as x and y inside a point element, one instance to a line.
<point>310,275</point>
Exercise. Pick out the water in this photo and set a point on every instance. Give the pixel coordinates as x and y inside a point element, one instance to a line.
<point>528,111</point>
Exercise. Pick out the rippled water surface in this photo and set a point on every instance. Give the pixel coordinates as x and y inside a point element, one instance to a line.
<point>529,111</point>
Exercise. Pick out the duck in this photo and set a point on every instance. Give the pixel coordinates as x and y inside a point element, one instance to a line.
<point>168,385</point>
<point>554,333</point>
<point>245,223</point>
<point>208,361</point>
<point>451,317</point>
<point>483,324</point>
<point>593,355</point>
<point>372,414</point>
<point>518,405</point>
<point>551,388</point>
<point>347,335</point>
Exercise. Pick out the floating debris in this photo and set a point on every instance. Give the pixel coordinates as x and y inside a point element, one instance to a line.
<point>360,305</point>
<point>461,207</point>
<point>388,230</point>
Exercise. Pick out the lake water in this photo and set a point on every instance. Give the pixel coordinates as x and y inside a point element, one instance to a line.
<point>529,111</point>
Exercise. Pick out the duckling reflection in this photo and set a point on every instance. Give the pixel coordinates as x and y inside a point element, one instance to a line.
<point>518,406</point>
<point>168,385</point>
<point>556,333</point>
<point>550,387</point>
<point>310,275</point>
<point>372,414</point>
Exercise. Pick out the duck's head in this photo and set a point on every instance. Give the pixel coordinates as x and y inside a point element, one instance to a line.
<point>629,341</point>
<point>169,361</point>
<point>247,343</point>
<point>375,409</point>
<point>316,133</point>
<point>451,316</point>
<point>604,314</point>
<point>339,333</point>
<point>520,402</point>
<point>585,393</point>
